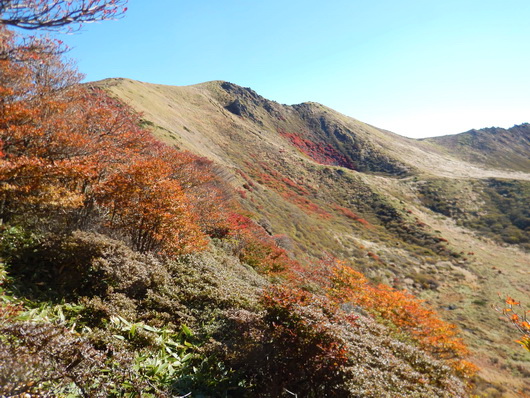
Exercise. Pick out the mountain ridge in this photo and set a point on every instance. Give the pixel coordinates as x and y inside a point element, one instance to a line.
<point>410,213</point>
<point>399,149</point>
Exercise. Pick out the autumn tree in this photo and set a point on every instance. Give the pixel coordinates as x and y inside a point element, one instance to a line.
<point>30,99</point>
<point>151,207</point>
<point>73,152</point>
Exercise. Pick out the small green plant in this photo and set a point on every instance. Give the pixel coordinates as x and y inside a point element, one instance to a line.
<point>13,240</point>
<point>168,355</point>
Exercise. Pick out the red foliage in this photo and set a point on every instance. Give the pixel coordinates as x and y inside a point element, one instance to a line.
<point>348,213</point>
<point>257,248</point>
<point>65,147</point>
<point>275,179</point>
<point>248,180</point>
<point>287,188</point>
<point>320,153</point>
<point>305,204</point>
<point>374,256</point>
<point>242,193</point>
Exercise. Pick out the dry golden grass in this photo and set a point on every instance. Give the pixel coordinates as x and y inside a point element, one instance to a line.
<point>196,118</point>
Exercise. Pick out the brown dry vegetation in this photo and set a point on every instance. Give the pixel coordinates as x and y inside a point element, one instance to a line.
<point>128,269</point>
<point>401,240</point>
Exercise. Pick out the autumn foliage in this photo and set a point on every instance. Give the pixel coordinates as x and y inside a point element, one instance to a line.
<point>518,318</point>
<point>292,191</point>
<point>351,215</point>
<point>75,152</point>
<point>255,247</point>
<point>399,310</point>
<point>409,314</point>
<point>298,323</point>
<point>319,152</point>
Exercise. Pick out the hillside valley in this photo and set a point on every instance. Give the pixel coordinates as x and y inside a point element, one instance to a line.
<point>444,218</point>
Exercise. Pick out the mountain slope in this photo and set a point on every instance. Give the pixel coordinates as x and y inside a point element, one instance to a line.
<point>217,106</point>
<point>406,212</point>
<point>496,147</point>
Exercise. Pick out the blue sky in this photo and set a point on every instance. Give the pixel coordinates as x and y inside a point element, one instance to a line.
<point>418,68</point>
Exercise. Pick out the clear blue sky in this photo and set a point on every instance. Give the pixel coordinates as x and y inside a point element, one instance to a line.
<point>418,68</point>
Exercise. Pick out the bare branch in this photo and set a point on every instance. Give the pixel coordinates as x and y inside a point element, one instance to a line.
<point>58,14</point>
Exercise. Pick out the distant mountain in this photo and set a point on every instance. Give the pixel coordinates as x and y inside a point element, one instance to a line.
<point>494,147</point>
<point>446,218</point>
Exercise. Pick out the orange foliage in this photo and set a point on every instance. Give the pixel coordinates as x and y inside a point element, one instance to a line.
<point>403,310</point>
<point>399,309</point>
<point>256,247</point>
<point>518,318</point>
<point>151,207</point>
<point>74,149</point>
<point>30,97</point>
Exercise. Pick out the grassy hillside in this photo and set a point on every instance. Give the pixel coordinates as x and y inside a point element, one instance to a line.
<point>409,213</point>
<point>493,147</point>
<point>493,207</point>
<point>133,268</point>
